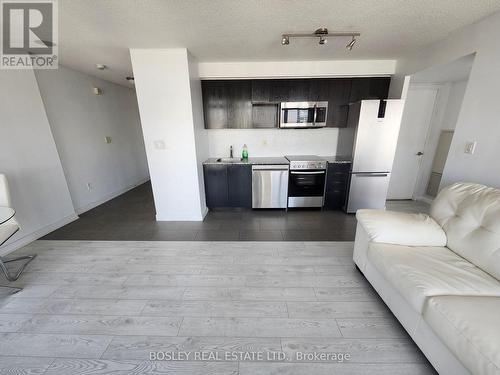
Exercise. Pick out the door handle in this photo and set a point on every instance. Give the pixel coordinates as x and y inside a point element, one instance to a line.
<point>420,153</point>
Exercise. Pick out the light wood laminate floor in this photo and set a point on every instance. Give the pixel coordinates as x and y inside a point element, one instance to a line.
<point>91,307</point>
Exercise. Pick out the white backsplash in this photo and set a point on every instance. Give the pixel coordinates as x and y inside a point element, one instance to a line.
<point>273,142</point>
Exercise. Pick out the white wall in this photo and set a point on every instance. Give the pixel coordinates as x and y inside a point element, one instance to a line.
<point>200,133</point>
<point>273,142</point>
<point>479,117</point>
<point>29,158</point>
<point>167,89</point>
<point>80,120</point>
<point>453,105</point>
<point>275,69</point>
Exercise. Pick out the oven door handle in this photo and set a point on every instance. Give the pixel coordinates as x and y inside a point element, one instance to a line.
<point>320,172</point>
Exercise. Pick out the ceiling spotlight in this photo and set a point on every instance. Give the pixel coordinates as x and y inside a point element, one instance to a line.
<point>322,40</point>
<point>285,40</point>
<point>130,79</point>
<point>100,66</point>
<point>351,44</point>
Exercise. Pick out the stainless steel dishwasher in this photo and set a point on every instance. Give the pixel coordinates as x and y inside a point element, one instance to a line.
<point>269,186</point>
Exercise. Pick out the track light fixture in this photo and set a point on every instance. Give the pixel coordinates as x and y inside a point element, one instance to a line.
<point>322,33</point>
<point>351,43</point>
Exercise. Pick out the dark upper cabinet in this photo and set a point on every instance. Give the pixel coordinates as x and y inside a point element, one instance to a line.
<point>280,90</point>
<point>227,104</point>
<point>228,185</point>
<point>339,92</point>
<point>265,115</point>
<point>261,91</point>
<point>239,109</point>
<point>299,90</point>
<point>239,185</point>
<point>369,88</point>
<point>215,104</point>
<point>216,189</point>
<point>319,89</point>
<point>249,103</point>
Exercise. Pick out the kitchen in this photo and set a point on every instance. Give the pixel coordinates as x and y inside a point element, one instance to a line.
<point>353,173</point>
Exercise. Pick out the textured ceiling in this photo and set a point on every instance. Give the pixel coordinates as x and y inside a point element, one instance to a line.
<point>102,31</point>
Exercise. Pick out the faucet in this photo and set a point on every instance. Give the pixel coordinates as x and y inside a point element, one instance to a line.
<point>231,151</point>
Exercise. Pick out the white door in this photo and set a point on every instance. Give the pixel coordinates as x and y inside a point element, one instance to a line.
<point>417,116</point>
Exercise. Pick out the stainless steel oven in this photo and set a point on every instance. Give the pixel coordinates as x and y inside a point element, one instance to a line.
<point>303,114</point>
<point>306,181</point>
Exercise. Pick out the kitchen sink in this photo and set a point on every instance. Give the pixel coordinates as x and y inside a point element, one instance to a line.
<point>228,160</point>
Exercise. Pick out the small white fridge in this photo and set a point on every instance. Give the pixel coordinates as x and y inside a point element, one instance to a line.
<point>375,128</point>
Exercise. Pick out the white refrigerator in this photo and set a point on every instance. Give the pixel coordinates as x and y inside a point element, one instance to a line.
<point>375,135</point>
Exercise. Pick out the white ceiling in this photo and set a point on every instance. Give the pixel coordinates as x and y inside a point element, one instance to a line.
<point>98,31</point>
<point>457,70</point>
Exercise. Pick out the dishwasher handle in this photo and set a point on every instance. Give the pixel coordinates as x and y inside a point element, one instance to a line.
<point>270,167</point>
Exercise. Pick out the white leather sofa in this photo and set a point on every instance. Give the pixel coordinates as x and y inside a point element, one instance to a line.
<point>439,274</point>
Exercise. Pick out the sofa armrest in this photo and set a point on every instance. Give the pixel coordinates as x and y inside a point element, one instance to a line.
<point>401,228</point>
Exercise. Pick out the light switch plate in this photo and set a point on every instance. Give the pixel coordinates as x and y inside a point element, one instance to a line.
<point>470,147</point>
<point>107,139</point>
<point>159,144</point>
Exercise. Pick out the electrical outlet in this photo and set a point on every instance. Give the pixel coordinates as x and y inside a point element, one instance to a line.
<point>470,147</point>
<point>89,186</point>
<point>107,139</point>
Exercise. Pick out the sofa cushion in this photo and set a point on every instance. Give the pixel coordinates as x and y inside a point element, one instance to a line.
<point>470,328</point>
<point>470,216</point>
<point>401,228</point>
<point>420,272</point>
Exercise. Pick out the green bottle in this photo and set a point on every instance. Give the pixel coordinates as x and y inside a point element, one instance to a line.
<point>244,153</point>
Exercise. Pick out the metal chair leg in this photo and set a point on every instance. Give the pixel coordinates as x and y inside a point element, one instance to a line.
<point>6,272</point>
<point>15,289</point>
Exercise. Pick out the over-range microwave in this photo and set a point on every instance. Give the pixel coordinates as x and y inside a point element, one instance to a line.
<point>303,114</point>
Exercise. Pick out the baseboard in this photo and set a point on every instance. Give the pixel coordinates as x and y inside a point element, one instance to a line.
<point>87,207</point>
<point>179,218</point>
<point>205,213</point>
<point>30,237</point>
<point>425,199</point>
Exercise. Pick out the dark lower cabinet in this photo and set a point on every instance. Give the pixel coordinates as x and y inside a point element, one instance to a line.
<point>239,185</point>
<point>216,193</point>
<point>336,185</point>
<point>228,185</point>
